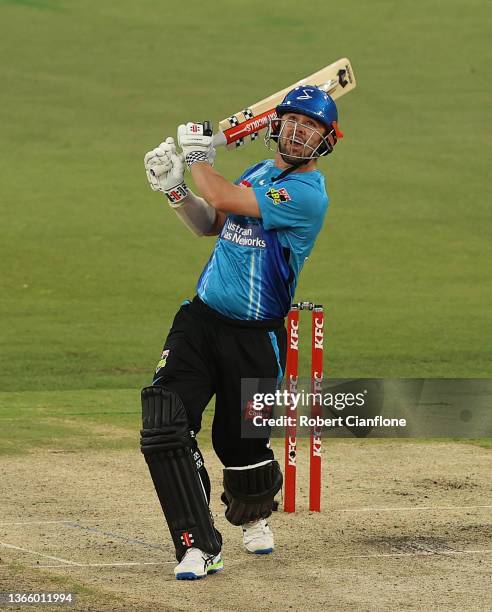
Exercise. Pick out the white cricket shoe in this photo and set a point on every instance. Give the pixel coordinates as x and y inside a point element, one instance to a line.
<point>258,537</point>
<point>197,564</point>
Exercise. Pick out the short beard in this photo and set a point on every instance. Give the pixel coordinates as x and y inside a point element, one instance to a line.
<point>291,160</point>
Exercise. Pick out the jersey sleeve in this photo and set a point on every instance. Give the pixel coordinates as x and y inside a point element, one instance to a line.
<point>248,171</point>
<point>290,204</point>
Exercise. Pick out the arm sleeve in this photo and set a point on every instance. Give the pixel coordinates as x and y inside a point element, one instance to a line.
<point>290,204</point>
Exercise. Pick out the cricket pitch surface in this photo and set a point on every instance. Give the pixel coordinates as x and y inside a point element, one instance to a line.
<point>404,525</point>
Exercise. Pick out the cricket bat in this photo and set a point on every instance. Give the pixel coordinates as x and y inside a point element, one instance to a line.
<point>337,79</point>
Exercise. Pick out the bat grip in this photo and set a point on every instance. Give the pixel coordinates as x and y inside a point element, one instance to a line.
<point>219,140</point>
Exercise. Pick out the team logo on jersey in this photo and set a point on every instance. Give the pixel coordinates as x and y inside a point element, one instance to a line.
<point>278,195</point>
<point>162,361</point>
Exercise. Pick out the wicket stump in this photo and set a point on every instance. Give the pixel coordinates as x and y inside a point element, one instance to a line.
<point>292,371</point>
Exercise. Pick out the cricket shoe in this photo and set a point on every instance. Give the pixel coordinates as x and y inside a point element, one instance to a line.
<point>258,537</point>
<point>197,564</point>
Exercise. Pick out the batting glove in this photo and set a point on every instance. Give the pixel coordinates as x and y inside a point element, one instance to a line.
<point>164,168</point>
<point>195,139</point>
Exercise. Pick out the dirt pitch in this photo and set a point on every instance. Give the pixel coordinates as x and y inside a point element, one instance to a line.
<point>403,526</point>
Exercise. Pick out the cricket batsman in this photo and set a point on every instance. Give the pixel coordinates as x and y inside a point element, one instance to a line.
<point>267,223</point>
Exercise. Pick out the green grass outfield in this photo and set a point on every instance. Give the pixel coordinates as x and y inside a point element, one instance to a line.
<point>93,264</point>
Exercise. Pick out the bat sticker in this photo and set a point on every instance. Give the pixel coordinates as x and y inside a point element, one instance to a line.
<point>341,77</point>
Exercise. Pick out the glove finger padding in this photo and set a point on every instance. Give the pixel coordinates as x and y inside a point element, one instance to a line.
<point>166,148</point>
<point>165,169</point>
<point>159,170</point>
<point>177,166</point>
<point>153,159</point>
<point>250,491</point>
<point>158,165</point>
<point>149,156</point>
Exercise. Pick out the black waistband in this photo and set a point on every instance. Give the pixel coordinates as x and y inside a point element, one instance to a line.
<point>198,306</point>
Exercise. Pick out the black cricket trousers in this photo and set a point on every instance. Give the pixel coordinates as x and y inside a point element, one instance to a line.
<point>206,353</point>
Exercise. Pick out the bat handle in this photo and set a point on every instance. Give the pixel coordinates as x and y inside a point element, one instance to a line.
<point>219,140</point>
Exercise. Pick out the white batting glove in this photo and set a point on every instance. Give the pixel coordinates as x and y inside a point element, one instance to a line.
<point>195,139</point>
<point>165,169</point>
<point>158,162</point>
